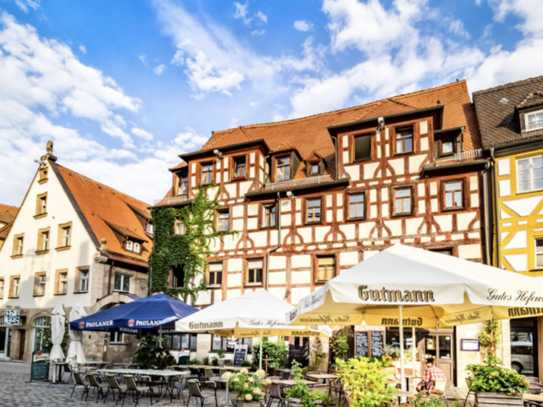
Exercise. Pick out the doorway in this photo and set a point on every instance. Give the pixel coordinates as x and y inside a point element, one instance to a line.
<point>297,351</point>
<point>440,346</point>
<point>22,340</point>
<point>523,352</point>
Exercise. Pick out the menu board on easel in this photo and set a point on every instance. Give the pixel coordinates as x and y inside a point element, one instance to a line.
<point>362,345</point>
<point>240,353</point>
<point>377,343</point>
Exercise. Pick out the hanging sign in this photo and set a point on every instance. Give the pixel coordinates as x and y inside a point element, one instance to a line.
<point>39,369</point>
<point>12,317</point>
<point>470,345</point>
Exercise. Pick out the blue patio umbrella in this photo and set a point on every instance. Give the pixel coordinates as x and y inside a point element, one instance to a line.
<point>145,314</point>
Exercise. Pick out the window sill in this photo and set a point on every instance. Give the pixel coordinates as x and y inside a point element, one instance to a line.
<point>41,215</point>
<point>39,295</point>
<point>361,160</point>
<point>395,215</point>
<point>121,291</point>
<point>43,181</point>
<point>238,179</point>
<point>40,252</point>
<point>80,292</point>
<point>63,248</point>
<point>17,256</point>
<point>268,227</point>
<point>253,284</point>
<point>402,154</point>
<point>356,219</point>
<point>117,344</point>
<point>313,223</point>
<point>60,293</point>
<point>13,298</point>
<point>457,208</point>
<point>214,286</point>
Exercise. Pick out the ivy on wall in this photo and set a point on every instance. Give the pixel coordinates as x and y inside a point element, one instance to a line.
<point>188,251</point>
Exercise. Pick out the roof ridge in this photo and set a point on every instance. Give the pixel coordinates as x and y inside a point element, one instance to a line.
<point>10,206</point>
<point>104,185</point>
<point>245,132</point>
<point>509,85</point>
<point>353,107</point>
<point>225,133</point>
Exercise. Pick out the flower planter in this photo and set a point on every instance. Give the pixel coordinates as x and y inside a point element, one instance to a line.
<point>246,404</point>
<point>496,399</point>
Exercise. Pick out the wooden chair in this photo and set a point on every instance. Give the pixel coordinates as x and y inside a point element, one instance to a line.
<point>78,381</point>
<point>137,391</point>
<point>196,391</point>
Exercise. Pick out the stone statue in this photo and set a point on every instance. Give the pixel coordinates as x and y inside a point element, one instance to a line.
<point>49,147</point>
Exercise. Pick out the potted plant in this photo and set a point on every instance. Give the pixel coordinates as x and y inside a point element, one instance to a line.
<point>277,353</point>
<point>492,383</point>
<point>235,176</point>
<point>365,383</point>
<point>423,399</point>
<point>248,389</point>
<point>300,395</point>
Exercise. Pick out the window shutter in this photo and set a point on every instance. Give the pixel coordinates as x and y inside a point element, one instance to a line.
<point>36,283</point>
<point>77,280</point>
<point>11,282</point>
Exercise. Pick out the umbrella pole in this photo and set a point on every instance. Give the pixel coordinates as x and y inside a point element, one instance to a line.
<point>261,344</point>
<point>413,342</point>
<point>402,374</point>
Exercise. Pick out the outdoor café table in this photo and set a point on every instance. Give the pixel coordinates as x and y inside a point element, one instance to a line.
<point>405,394</point>
<point>532,397</point>
<point>60,367</point>
<point>221,380</point>
<point>325,376</point>
<point>162,373</point>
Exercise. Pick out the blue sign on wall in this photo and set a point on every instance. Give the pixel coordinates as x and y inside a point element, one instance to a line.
<point>12,317</point>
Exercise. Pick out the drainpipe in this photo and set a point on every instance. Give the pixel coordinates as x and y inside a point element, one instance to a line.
<point>335,152</point>
<point>497,207</point>
<point>109,278</point>
<point>270,251</point>
<point>487,219</point>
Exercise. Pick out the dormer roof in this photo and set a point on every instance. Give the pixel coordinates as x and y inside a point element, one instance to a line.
<point>532,100</point>
<point>314,157</point>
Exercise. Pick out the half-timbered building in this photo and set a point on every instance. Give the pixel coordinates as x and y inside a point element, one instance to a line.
<point>313,196</point>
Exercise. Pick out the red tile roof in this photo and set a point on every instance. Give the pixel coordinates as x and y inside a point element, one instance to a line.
<point>101,205</point>
<point>8,213</point>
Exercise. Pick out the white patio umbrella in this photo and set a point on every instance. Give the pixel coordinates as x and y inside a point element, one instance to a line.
<point>58,321</point>
<point>75,351</point>
<point>406,286</point>
<point>254,314</point>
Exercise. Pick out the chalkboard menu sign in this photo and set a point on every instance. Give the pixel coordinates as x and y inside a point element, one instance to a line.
<point>240,353</point>
<point>377,343</point>
<point>39,369</point>
<point>362,344</point>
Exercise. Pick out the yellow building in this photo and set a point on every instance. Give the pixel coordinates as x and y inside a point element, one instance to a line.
<point>511,123</point>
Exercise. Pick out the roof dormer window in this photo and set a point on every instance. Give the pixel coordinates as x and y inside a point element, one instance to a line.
<point>133,246</point>
<point>207,173</point>
<point>239,168</point>
<point>534,120</point>
<point>183,185</point>
<point>283,168</point>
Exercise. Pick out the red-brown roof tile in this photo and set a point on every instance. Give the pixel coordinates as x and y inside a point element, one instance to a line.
<point>8,213</point>
<point>101,205</point>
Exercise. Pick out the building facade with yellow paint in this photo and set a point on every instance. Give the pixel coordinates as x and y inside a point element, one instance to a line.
<point>511,124</point>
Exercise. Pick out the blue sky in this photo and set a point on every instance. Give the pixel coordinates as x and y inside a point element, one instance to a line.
<point>122,87</point>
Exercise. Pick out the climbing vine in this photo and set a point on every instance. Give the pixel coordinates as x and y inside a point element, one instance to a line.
<point>188,251</point>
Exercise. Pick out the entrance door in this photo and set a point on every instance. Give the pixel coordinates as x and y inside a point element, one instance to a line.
<point>440,346</point>
<point>22,339</point>
<point>3,340</point>
<point>524,346</point>
<point>298,349</point>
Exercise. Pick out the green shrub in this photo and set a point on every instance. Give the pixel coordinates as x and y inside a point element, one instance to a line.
<point>150,355</point>
<point>214,361</point>
<point>423,399</point>
<point>365,383</point>
<point>492,377</point>
<point>193,362</point>
<point>221,353</point>
<point>277,353</point>
<point>302,391</point>
<point>246,363</point>
<point>206,361</point>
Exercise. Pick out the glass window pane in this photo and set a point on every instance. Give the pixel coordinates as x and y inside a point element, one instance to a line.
<point>538,183</point>
<point>402,193</point>
<point>458,198</point>
<point>444,347</point>
<point>407,205</point>
<point>126,283</point>
<point>362,147</point>
<point>523,186</point>
<point>314,203</point>
<point>523,175</point>
<point>448,147</point>
<point>537,162</point>
<point>357,198</point>
<point>523,164</point>
<point>352,212</point>
<point>451,186</point>
<point>409,145</point>
<point>118,278</point>
<point>399,146</point>
<point>448,200</point>
<point>314,169</point>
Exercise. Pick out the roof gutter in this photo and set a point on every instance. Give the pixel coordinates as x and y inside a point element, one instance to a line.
<point>432,168</point>
<point>263,194</point>
<point>334,137</point>
<point>195,154</point>
<point>486,214</point>
<point>496,209</point>
<point>273,249</point>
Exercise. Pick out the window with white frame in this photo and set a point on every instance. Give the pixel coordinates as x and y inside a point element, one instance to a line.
<point>67,237</point>
<point>539,253</point>
<point>149,228</point>
<point>214,274</point>
<point>254,271</point>
<point>41,285</point>
<point>129,245</point>
<point>116,338</point>
<point>122,283</point>
<point>137,247</point>
<point>41,326</point>
<point>534,120</point>
<point>133,246</point>
<point>530,173</point>
<point>84,281</point>
<point>179,227</point>
<point>16,287</point>
<point>45,240</point>
<point>19,245</point>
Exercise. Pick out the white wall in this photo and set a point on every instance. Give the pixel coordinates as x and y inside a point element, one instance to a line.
<point>59,210</point>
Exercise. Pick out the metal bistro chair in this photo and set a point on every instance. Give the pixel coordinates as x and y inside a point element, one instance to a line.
<point>196,391</point>
<point>137,391</point>
<point>95,384</point>
<point>441,384</point>
<point>78,381</point>
<point>182,385</point>
<point>208,374</point>
<point>276,394</point>
<point>67,369</point>
<point>113,384</point>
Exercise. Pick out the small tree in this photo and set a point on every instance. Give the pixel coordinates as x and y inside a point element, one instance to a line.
<point>149,353</point>
<point>490,337</point>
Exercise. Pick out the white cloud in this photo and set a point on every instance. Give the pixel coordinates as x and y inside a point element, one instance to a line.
<point>261,16</point>
<point>185,142</point>
<point>457,27</point>
<point>25,4</point>
<point>302,25</point>
<point>142,133</point>
<point>83,49</point>
<point>241,12</point>
<point>159,69</point>
<point>258,32</point>
<point>143,58</point>
<point>42,82</point>
<point>252,104</point>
